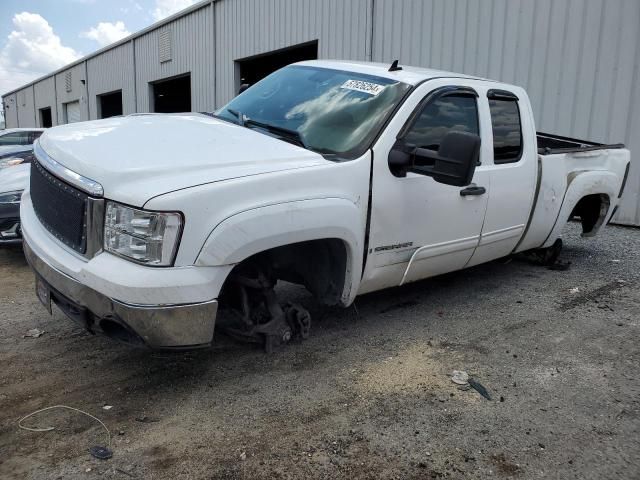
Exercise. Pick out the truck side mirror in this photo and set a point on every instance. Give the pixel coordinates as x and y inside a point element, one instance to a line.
<point>453,164</point>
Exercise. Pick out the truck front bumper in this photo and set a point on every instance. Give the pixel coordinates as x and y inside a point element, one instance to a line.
<point>155,326</point>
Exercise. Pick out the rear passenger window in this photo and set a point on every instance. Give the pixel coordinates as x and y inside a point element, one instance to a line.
<point>507,131</point>
<point>453,113</point>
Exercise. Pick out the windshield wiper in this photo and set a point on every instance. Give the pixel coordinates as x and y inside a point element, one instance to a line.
<point>285,133</point>
<point>238,115</point>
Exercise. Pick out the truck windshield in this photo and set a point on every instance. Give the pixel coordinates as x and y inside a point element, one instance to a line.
<point>333,112</point>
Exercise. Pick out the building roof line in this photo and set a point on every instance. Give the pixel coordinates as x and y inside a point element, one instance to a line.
<point>122,41</point>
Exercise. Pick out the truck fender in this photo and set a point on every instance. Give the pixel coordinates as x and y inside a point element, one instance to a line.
<point>257,230</point>
<point>580,185</point>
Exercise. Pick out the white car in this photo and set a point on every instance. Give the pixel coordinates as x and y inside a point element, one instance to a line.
<point>344,177</point>
<point>20,136</point>
<point>14,177</point>
<point>13,181</point>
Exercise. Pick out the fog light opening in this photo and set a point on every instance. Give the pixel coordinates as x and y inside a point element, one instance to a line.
<point>117,331</point>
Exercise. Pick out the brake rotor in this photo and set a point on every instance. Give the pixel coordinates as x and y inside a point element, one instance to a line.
<point>299,319</point>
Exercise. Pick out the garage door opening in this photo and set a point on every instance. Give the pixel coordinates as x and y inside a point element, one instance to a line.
<point>254,69</point>
<point>45,117</point>
<point>71,112</point>
<point>170,96</point>
<point>110,104</point>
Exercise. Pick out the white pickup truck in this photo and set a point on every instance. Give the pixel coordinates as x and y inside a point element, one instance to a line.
<point>344,177</point>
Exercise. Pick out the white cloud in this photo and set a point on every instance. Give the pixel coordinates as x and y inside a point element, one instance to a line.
<point>133,6</point>
<point>106,32</point>
<point>31,50</point>
<point>164,8</point>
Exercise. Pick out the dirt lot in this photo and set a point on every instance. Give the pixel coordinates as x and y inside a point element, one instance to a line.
<point>368,396</point>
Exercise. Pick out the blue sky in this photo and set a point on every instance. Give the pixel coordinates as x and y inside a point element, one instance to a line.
<point>38,36</point>
<point>69,18</point>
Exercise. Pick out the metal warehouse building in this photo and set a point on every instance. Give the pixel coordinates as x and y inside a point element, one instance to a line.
<point>579,59</point>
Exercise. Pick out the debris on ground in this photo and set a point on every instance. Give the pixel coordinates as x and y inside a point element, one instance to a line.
<point>546,257</point>
<point>33,333</point>
<point>146,419</point>
<point>97,451</point>
<point>107,407</point>
<point>460,377</point>
<point>478,387</point>
<point>574,290</point>
<point>124,472</point>
<point>560,266</point>
<point>100,452</point>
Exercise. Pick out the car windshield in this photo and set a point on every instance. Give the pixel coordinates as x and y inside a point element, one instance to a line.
<point>333,112</point>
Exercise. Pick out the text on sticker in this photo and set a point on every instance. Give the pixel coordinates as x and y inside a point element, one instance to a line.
<point>365,87</point>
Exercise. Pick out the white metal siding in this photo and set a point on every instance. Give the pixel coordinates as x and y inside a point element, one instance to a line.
<point>78,91</point>
<point>246,28</point>
<point>45,96</point>
<point>192,38</point>
<point>111,71</point>
<point>578,60</point>
<point>10,110</point>
<point>26,115</point>
<point>72,112</point>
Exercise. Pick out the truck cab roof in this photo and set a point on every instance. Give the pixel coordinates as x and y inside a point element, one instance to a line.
<point>408,74</point>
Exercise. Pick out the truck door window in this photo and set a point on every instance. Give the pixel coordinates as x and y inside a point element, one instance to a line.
<point>507,130</point>
<point>457,112</point>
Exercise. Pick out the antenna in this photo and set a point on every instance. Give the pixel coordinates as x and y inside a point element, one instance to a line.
<point>394,66</point>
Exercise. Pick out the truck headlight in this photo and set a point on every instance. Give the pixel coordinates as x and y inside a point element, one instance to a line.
<point>150,238</point>
<point>10,198</point>
<point>11,161</point>
<point>16,159</point>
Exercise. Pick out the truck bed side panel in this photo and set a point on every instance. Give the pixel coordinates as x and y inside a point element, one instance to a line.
<point>566,178</point>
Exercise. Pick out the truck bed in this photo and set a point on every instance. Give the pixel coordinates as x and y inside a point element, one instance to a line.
<point>568,171</point>
<point>549,144</point>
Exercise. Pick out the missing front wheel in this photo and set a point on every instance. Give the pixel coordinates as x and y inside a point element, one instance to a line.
<point>259,317</point>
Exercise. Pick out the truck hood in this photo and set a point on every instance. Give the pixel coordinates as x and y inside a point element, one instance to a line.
<point>138,157</point>
<point>14,178</point>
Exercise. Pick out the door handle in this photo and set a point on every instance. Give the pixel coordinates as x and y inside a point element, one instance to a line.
<point>473,190</point>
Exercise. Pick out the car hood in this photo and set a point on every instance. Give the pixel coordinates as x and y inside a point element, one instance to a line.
<point>138,157</point>
<point>14,178</point>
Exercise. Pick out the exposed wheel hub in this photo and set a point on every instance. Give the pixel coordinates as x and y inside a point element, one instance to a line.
<point>262,319</point>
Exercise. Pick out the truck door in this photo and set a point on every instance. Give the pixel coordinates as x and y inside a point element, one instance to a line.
<point>512,167</point>
<point>418,227</point>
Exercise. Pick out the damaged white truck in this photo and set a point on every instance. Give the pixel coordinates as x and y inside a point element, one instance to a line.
<point>346,178</point>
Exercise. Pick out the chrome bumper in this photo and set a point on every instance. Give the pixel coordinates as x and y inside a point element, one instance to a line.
<point>155,326</point>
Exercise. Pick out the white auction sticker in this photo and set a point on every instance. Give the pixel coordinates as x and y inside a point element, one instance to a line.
<point>365,87</point>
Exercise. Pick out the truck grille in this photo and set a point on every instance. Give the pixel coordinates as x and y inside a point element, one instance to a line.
<point>61,209</point>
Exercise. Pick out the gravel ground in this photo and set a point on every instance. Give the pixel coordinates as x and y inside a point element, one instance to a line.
<point>367,396</point>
